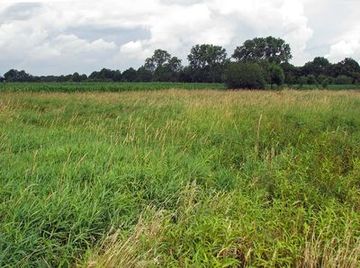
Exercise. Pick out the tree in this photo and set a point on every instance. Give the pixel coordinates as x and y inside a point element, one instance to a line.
<point>143,75</point>
<point>244,75</point>
<point>159,58</point>
<point>129,75</point>
<point>207,62</point>
<point>169,71</point>
<point>271,49</point>
<point>17,76</point>
<point>83,77</point>
<point>106,75</point>
<point>291,72</point>
<point>319,66</point>
<point>311,79</point>
<point>302,80</point>
<point>76,77</point>
<point>117,76</point>
<point>276,74</point>
<point>325,82</point>
<point>163,66</point>
<point>2,79</point>
<point>348,67</point>
<point>343,80</point>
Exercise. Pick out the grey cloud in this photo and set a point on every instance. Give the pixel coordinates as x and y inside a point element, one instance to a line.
<point>110,34</point>
<point>20,11</point>
<point>182,2</point>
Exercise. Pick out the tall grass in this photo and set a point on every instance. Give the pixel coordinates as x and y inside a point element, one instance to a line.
<point>178,178</point>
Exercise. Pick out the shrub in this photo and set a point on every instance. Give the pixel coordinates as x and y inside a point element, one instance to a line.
<point>302,81</point>
<point>311,79</point>
<point>277,76</point>
<point>343,80</point>
<point>244,75</point>
<point>325,83</point>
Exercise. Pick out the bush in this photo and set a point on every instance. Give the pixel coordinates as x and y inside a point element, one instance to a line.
<point>302,81</point>
<point>325,83</point>
<point>244,75</point>
<point>277,76</point>
<point>311,79</point>
<point>343,80</point>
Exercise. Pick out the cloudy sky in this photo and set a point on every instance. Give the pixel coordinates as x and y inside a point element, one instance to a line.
<point>61,36</point>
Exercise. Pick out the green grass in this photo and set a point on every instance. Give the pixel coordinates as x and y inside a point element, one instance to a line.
<point>69,87</point>
<point>103,86</point>
<point>179,178</point>
<point>329,87</point>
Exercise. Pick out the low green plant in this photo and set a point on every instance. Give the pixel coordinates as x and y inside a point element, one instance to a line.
<point>179,178</point>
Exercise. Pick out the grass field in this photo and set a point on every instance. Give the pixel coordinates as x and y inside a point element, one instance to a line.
<point>68,87</point>
<point>178,178</point>
<point>103,86</point>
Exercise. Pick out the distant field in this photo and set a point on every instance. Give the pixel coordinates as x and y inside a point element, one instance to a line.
<point>330,87</point>
<point>136,86</point>
<point>179,178</point>
<point>103,86</point>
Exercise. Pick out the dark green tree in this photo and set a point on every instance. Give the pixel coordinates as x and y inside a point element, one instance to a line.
<point>159,58</point>
<point>271,49</point>
<point>244,75</point>
<point>319,66</point>
<point>163,66</point>
<point>76,77</point>
<point>207,63</point>
<point>343,80</point>
<point>311,79</point>
<point>144,75</point>
<point>129,75</point>
<point>18,76</point>
<point>291,72</point>
<point>276,75</point>
<point>348,67</point>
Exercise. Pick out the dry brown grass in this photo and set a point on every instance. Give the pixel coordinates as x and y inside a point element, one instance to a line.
<point>136,250</point>
<point>320,251</point>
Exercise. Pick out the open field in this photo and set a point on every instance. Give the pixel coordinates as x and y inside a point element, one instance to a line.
<point>178,178</point>
<point>68,87</point>
<point>103,86</point>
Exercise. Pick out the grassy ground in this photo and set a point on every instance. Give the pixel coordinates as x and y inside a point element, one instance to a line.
<point>68,87</point>
<point>103,87</point>
<point>180,179</point>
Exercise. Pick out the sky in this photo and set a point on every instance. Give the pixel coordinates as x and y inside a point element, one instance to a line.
<point>59,36</point>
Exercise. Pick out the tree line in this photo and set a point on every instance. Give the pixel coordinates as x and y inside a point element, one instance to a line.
<point>255,63</point>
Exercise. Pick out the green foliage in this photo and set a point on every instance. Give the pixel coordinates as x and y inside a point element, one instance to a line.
<point>325,82</point>
<point>163,66</point>
<point>276,74</point>
<point>129,75</point>
<point>273,50</point>
<point>343,80</point>
<point>103,87</point>
<point>311,79</point>
<point>319,66</point>
<point>180,179</point>
<point>207,63</point>
<point>244,75</point>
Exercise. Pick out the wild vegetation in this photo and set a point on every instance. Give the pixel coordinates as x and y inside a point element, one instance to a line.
<point>210,63</point>
<point>180,178</point>
<point>103,87</point>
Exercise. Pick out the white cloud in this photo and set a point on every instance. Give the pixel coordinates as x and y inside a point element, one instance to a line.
<point>347,46</point>
<point>40,37</point>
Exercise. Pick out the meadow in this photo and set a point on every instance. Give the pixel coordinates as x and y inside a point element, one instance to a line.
<point>70,87</point>
<point>180,178</point>
<point>103,86</point>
